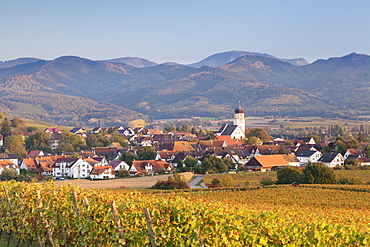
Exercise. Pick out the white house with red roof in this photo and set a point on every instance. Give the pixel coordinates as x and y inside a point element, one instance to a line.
<point>8,165</point>
<point>71,167</point>
<point>102,172</point>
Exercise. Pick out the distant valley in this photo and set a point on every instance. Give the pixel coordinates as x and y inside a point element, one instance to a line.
<point>77,91</point>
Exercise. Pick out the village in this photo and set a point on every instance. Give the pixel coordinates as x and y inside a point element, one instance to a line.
<point>147,152</point>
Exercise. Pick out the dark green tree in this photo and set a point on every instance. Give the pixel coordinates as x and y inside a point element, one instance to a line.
<point>39,141</point>
<point>260,133</point>
<point>92,141</point>
<point>288,175</point>
<point>190,161</point>
<point>70,143</point>
<point>212,164</point>
<point>146,153</point>
<point>128,157</point>
<point>318,173</point>
<point>5,127</point>
<point>15,144</point>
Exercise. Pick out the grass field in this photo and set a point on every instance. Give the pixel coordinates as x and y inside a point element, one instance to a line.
<point>254,178</point>
<point>132,183</point>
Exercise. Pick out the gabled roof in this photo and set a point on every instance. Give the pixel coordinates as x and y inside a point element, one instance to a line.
<point>166,154</point>
<point>7,164</point>
<point>98,170</point>
<point>70,161</point>
<point>180,146</point>
<point>91,161</point>
<point>30,163</point>
<point>116,163</point>
<point>290,157</point>
<point>229,141</point>
<point>53,130</point>
<point>156,164</point>
<point>227,129</point>
<point>306,153</point>
<point>269,160</point>
<point>8,156</point>
<point>328,157</point>
<point>35,153</point>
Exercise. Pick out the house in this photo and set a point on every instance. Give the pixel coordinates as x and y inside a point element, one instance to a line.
<point>265,163</point>
<point>102,172</point>
<point>7,164</point>
<point>364,161</point>
<point>332,159</point>
<point>165,155</point>
<point>231,130</point>
<point>96,130</point>
<point>29,164</point>
<point>71,167</point>
<point>53,130</point>
<point>116,145</point>
<point>308,157</point>
<point>111,152</point>
<point>306,141</point>
<point>229,142</point>
<point>292,159</point>
<point>12,157</point>
<point>35,153</point>
<point>119,165</point>
<point>55,140</point>
<point>353,153</point>
<point>78,130</point>
<point>150,167</point>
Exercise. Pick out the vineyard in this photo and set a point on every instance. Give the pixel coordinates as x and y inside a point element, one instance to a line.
<point>46,215</point>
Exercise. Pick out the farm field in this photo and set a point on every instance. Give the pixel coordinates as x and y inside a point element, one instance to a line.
<point>254,178</point>
<point>133,182</point>
<point>280,216</point>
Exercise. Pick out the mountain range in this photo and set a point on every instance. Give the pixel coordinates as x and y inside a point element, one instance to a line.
<point>71,90</point>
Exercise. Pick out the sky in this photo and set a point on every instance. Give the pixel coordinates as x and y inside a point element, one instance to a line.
<point>182,31</point>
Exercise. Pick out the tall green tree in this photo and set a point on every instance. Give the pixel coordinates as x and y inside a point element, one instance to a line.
<point>15,144</point>
<point>260,133</point>
<point>5,127</point>
<point>39,141</point>
<point>70,142</point>
<point>318,173</point>
<point>146,153</point>
<point>128,157</point>
<point>212,164</point>
<point>288,175</point>
<point>190,161</point>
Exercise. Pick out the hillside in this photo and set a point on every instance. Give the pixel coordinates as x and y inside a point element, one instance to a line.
<point>224,58</point>
<point>77,90</point>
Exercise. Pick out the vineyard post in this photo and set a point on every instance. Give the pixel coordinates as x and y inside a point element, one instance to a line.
<point>116,219</point>
<point>86,203</point>
<point>150,227</point>
<point>11,213</point>
<point>74,196</point>
<point>46,224</point>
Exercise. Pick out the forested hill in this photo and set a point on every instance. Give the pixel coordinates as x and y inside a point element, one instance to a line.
<point>71,90</point>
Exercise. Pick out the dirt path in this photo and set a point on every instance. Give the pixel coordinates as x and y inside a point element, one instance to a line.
<point>136,182</point>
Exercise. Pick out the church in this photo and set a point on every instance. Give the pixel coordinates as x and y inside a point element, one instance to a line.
<point>236,130</point>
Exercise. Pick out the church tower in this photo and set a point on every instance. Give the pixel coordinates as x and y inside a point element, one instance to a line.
<point>239,118</point>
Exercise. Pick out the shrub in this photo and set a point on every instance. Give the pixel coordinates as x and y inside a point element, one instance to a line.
<point>170,185</point>
<point>318,173</point>
<point>288,175</point>
<point>347,180</point>
<point>266,181</point>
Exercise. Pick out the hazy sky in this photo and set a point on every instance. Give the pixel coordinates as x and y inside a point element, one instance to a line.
<point>182,31</point>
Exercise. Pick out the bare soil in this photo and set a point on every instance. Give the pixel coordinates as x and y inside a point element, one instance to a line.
<point>132,182</point>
